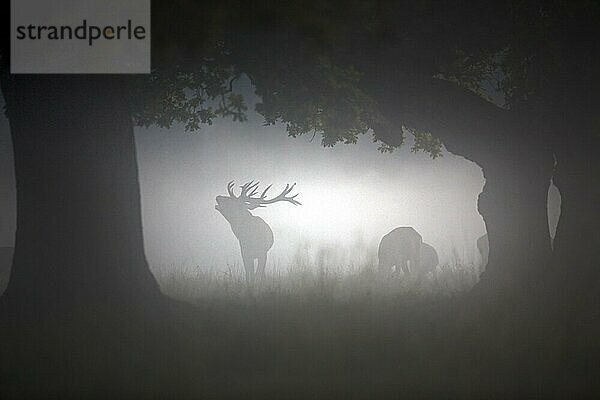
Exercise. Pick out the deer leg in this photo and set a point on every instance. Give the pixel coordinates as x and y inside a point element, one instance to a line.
<point>410,267</point>
<point>249,267</point>
<point>385,267</point>
<point>415,262</point>
<point>406,267</point>
<point>260,269</point>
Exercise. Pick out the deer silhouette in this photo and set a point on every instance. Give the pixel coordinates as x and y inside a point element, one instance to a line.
<point>401,248</point>
<point>429,259</point>
<point>253,233</point>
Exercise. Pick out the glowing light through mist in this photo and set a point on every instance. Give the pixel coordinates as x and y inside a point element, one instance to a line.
<point>351,195</point>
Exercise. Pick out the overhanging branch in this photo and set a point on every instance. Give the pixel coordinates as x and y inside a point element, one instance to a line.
<point>468,125</point>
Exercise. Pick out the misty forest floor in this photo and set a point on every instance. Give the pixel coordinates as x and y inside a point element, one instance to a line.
<point>321,331</point>
<point>316,333</point>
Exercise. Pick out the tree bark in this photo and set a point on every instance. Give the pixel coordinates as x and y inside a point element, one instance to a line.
<point>79,231</point>
<point>577,241</point>
<point>575,92</point>
<point>513,205</point>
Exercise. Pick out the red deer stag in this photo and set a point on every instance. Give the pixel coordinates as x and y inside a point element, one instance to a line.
<point>253,233</point>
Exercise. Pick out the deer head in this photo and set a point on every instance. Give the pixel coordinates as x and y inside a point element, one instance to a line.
<point>234,208</point>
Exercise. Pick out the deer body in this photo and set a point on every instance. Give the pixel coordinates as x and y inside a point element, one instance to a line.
<point>429,259</point>
<point>253,233</point>
<point>255,236</point>
<point>401,248</point>
<point>256,239</point>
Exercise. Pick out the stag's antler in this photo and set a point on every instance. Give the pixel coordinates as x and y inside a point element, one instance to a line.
<point>230,189</point>
<point>247,187</point>
<point>250,189</point>
<point>263,201</point>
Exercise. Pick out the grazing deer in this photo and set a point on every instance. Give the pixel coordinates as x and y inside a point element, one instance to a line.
<point>401,248</point>
<point>253,233</point>
<point>429,259</point>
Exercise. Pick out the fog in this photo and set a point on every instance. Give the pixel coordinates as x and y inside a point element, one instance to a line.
<point>351,195</point>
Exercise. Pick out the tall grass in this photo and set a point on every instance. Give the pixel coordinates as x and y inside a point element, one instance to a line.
<point>309,279</point>
<point>316,328</point>
<point>324,327</point>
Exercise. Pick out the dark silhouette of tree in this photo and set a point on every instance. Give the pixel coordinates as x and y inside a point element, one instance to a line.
<point>329,68</point>
<point>334,69</point>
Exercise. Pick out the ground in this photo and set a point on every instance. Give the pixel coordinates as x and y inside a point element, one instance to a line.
<point>309,332</point>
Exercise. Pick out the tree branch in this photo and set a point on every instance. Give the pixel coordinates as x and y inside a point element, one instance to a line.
<point>468,125</point>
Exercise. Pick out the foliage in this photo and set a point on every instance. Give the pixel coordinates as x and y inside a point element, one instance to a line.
<point>483,74</point>
<point>310,62</point>
<point>426,142</point>
<point>329,104</point>
<point>307,64</point>
<point>189,97</point>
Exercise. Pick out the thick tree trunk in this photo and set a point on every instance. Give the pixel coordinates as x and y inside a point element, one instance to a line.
<point>513,205</point>
<point>6,254</point>
<point>575,92</point>
<point>577,241</point>
<point>79,230</point>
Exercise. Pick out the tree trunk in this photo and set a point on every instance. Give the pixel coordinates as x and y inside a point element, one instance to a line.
<point>575,92</point>
<point>577,241</point>
<point>513,205</point>
<point>79,231</point>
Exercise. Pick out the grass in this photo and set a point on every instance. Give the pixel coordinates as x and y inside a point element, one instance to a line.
<point>302,279</point>
<point>312,330</point>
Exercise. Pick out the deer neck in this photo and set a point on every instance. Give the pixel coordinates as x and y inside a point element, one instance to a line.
<point>241,221</point>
